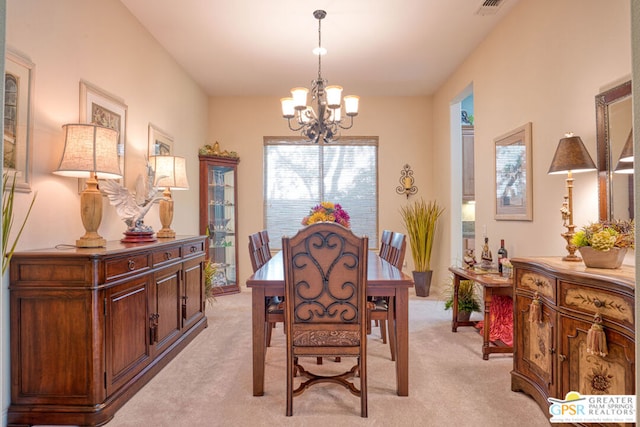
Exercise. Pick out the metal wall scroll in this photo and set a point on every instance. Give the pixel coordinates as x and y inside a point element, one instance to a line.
<point>406,182</point>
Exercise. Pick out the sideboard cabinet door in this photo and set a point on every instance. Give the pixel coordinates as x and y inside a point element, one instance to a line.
<point>536,358</point>
<point>590,373</point>
<point>127,331</point>
<point>51,332</point>
<point>193,298</point>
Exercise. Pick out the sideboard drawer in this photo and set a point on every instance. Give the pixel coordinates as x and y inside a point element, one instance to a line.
<point>612,306</point>
<point>166,255</point>
<point>193,249</point>
<point>534,281</point>
<point>124,266</point>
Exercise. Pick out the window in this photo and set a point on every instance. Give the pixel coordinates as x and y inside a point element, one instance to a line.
<point>299,175</point>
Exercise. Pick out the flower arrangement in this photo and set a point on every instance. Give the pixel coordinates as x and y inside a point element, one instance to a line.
<point>604,235</point>
<point>327,212</point>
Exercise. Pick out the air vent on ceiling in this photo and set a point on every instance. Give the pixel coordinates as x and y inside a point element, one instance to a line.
<point>489,7</point>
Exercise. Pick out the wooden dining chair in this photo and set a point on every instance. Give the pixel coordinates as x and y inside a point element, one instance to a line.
<point>259,254</point>
<point>397,249</point>
<point>381,310</point>
<point>385,242</point>
<point>325,276</point>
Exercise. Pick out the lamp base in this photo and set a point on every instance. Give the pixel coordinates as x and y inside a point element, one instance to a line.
<point>572,258</point>
<point>91,242</point>
<point>166,233</point>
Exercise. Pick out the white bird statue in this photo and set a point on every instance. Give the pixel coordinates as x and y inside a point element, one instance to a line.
<point>132,208</point>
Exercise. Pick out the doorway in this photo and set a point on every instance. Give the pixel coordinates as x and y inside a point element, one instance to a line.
<point>462,123</point>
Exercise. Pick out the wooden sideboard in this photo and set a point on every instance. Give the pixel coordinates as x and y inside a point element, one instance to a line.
<point>550,353</point>
<point>90,327</point>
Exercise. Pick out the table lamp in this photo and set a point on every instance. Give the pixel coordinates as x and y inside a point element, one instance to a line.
<point>571,157</point>
<point>90,151</point>
<point>171,174</point>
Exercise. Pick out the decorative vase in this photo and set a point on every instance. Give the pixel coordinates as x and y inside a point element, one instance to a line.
<point>602,259</point>
<point>422,282</point>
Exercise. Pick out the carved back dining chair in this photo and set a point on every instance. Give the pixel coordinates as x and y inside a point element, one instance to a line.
<point>325,270</point>
<point>274,310</point>
<point>381,310</point>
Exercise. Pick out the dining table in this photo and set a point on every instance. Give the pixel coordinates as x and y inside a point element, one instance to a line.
<point>383,280</point>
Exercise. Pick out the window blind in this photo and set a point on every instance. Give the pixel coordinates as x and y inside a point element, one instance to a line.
<point>299,175</point>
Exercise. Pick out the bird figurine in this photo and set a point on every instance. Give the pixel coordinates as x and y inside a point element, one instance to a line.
<point>132,208</point>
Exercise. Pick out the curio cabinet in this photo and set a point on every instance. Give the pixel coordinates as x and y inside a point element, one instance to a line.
<point>219,219</point>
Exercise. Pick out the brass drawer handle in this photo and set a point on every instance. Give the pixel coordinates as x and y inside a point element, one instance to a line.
<point>562,357</point>
<point>193,249</point>
<point>167,256</point>
<point>132,264</point>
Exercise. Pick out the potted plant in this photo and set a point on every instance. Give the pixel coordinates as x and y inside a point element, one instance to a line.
<point>604,244</point>
<point>209,273</point>
<point>468,300</point>
<point>420,220</point>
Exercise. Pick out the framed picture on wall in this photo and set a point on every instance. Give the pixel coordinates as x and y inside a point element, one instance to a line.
<point>102,108</point>
<point>18,120</point>
<point>160,142</point>
<point>513,176</point>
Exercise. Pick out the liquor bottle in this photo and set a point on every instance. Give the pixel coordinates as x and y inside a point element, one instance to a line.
<point>502,253</point>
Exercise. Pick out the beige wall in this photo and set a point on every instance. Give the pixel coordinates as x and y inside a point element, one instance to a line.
<point>526,70</point>
<point>100,42</point>
<point>544,63</point>
<point>402,123</point>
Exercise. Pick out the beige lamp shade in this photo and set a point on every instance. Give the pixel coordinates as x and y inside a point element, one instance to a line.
<point>89,149</point>
<point>171,172</point>
<point>571,156</point>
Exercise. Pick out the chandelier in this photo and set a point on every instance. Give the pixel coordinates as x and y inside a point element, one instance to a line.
<point>323,122</point>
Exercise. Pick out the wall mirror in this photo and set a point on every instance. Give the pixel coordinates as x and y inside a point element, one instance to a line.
<point>613,123</point>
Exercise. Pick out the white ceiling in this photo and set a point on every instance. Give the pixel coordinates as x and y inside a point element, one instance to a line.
<point>261,47</point>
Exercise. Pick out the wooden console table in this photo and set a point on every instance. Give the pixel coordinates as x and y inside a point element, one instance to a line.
<point>492,284</point>
<point>89,327</point>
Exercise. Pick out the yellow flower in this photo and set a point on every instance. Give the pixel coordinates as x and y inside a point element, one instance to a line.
<point>327,205</point>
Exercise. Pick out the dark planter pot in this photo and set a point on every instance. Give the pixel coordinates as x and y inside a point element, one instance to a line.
<point>422,282</point>
<point>464,316</point>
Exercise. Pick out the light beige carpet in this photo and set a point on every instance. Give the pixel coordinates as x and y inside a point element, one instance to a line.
<point>210,382</point>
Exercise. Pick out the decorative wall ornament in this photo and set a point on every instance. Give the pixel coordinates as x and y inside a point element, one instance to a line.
<point>406,182</point>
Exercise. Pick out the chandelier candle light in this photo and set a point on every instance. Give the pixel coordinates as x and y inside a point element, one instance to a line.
<point>322,123</point>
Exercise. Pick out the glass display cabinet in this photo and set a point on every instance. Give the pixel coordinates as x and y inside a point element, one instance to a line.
<point>219,219</point>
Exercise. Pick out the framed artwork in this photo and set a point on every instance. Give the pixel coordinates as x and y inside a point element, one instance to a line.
<point>100,107</point>
<point>513,176</point>
<point>18,120</point>
<point>160,142</point>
